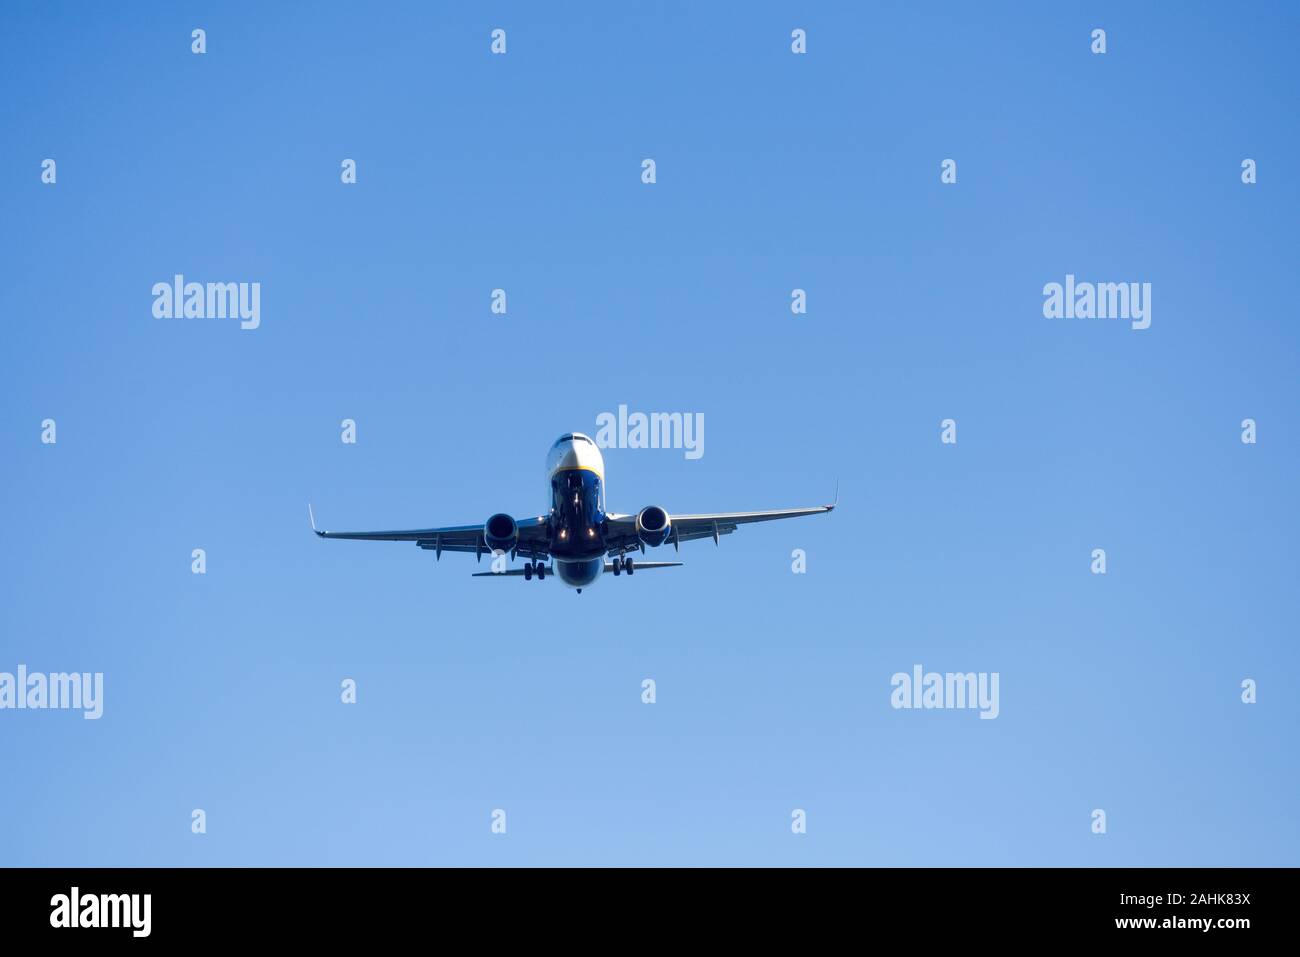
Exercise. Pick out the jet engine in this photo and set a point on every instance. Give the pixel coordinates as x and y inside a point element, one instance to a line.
<point>501,533</point>
<point>653,525</point>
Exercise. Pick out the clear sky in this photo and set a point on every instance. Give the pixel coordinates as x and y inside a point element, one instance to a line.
<point>775,171</point>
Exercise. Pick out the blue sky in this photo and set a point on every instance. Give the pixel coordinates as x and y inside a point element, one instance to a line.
<point>775,172</point>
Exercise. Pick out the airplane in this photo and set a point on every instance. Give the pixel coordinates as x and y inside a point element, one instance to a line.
<point>578,535</point>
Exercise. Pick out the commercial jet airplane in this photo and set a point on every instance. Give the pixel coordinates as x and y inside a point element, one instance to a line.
<point>578,534</point>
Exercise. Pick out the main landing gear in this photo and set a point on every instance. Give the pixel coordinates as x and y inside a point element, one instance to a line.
<point>534,568</point>
<point>622,564</point>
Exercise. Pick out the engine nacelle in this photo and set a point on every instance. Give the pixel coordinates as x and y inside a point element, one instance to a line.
<point>653,525</point>
<point>501,533</point>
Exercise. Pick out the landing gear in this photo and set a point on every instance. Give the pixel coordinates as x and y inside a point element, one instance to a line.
<point>528,571</point>
<point>628,566</point>
<point>623,564</point>
<point>534,568</point>
<point>541,571</point>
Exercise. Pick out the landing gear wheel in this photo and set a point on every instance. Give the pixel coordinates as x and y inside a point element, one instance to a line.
<point>618,567</point>
<point>628,566</point>
<point>541,571</point>
<point>528,571</point>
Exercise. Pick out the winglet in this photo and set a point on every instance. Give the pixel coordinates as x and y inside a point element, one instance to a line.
<point>313,521</point>
<point>831,507</point>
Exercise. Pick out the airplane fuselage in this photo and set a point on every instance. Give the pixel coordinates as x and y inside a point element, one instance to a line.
<point>576,472</point>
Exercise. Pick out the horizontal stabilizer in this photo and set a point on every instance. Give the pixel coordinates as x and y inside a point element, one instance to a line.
<point>637,566</point>
<point>550,570</point>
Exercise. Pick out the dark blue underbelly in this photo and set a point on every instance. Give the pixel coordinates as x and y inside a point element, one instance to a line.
<point>577,519</point>
<point>579,574</point>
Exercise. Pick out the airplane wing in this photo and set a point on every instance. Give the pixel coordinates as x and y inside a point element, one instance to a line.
<point>686,528</point>
<point>533,537</point>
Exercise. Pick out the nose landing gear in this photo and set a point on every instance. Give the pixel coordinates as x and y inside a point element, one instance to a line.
<point>534,568</point>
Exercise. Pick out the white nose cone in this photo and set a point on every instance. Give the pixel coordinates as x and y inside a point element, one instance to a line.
<point>573,450</point>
